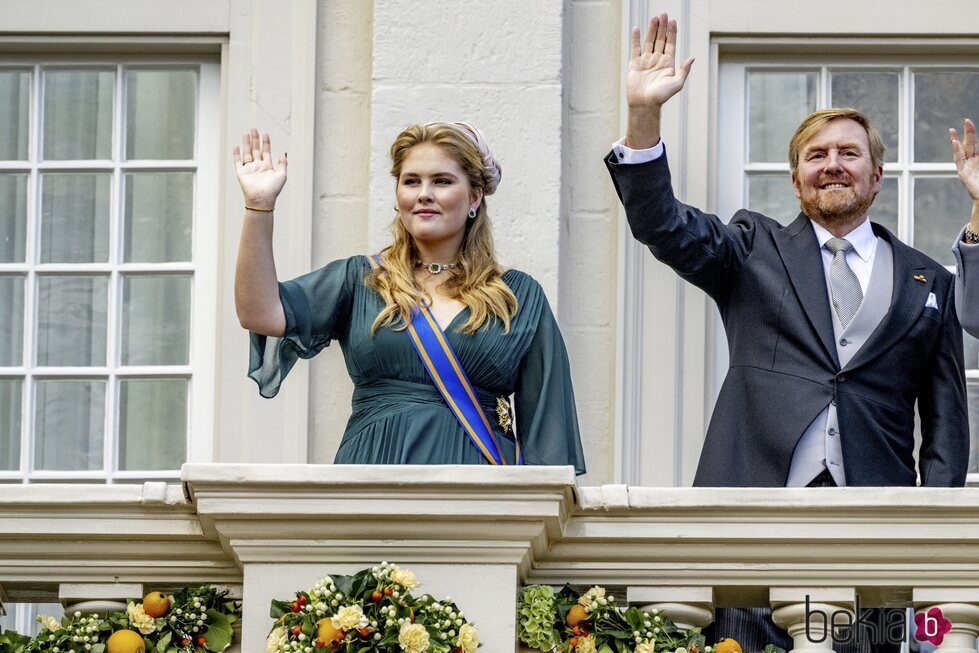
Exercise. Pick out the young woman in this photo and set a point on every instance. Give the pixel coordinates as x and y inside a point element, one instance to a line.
<point>438,283</point>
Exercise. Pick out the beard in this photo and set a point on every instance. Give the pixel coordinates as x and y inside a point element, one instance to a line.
<point>836,207</point>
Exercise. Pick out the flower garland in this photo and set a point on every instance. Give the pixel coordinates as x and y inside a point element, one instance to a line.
<point>189,621</point>
<point>566,622</point>
<point>372,611</point>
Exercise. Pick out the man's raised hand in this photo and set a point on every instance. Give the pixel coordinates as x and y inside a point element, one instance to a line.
<point>653,77</point>
<point>965,153</point>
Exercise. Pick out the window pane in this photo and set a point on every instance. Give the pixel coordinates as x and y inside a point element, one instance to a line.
<point>10,409</point>
<point>773,195</point>
<point>11,321</point>
<point>884,209</point>
<point>161,109</point>
<point>941,100</point>
<point>15,90</point>
<point>71,320</point>
<point>156,320</point>
<point>877,95</point>
<point>13,216</point>
<point>75,218</point>
<point>941,207</point>
<point>777,103</point>
<point>152,423</point>
<point>78,114</point>
<point>70,418</point>
<point>159,210</point>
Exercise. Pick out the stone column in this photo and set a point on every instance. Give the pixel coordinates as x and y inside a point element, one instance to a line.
<point>687,607</point>
<point>810,615</point>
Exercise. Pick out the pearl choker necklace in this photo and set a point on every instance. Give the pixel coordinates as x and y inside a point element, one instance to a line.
<point>435,268</point>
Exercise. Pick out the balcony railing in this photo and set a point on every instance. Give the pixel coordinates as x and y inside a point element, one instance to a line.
<point>479,533</point>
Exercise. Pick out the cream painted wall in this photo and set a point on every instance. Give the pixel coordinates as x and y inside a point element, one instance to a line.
<point>543,86</point>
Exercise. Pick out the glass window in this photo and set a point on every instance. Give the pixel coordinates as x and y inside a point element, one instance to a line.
<point>98,204</point>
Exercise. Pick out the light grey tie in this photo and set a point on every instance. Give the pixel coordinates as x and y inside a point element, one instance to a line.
<point>844,284</point>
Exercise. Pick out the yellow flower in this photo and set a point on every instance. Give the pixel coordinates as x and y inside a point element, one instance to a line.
<point>586,645</point>
<point>645,647</point>
<point>48,622</point>
<point>138,617</point>
<point>468,638</point>
<point>349,617</point>
<point>277,639</point>
<point>413,638</point>
<point>405,578</point>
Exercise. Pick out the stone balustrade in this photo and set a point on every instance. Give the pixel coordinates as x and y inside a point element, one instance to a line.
<point>477,533</point>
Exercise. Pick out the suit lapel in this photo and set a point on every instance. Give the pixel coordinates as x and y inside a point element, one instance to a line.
<point>911,288</point>
<point>799,250</point>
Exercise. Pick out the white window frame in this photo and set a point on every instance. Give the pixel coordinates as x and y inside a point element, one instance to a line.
<point>201,368</point>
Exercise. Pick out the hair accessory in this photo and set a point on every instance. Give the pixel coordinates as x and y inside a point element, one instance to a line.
<point>434,268</point>
<point>492,171</point>
<point>472,213</point>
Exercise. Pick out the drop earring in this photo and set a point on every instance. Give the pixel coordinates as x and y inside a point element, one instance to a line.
<point>472,213</point>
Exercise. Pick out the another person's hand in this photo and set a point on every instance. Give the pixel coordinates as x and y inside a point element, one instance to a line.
<point>653,77</point>
<point>260,180</point>
<point>965,153</point>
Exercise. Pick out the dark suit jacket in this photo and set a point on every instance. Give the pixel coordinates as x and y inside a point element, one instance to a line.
<point>770,286</point>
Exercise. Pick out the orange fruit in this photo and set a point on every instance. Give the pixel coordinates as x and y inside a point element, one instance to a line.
<point>727,645</point>
<point>126,641</point>
<point>156,604</point>
<point>326,632</point>
<point>575,614</point>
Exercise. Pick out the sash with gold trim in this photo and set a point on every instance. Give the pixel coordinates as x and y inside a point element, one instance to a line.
<point>442,365</point>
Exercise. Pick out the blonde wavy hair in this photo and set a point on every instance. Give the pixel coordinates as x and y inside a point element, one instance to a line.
<point>477,278</point>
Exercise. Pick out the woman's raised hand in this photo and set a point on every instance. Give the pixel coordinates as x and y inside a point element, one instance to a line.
<point>260,180</point>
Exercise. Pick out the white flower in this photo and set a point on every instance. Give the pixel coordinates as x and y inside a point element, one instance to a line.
<point>48,622</point>
<point>413,638</point>
<point>645,647</point>
<point>586,645</point>
<point>591,595</point>
<point>405,578</point>
<point>277,638</point>
<point>468,638</point>
<point>349,617</point>
<point>138,617</point>
<point>680,650</point>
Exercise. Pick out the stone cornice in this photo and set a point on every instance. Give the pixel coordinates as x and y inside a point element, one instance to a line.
<point>333,513</point>
<point>52,534</point>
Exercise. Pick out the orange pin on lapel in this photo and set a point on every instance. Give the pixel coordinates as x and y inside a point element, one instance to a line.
<point>920,277</point>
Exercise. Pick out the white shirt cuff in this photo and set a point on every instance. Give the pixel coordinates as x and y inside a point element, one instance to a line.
<point>629,156</point>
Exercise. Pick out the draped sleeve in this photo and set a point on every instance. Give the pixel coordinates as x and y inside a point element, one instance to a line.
<point>317,310</point>
<point>547,422</point>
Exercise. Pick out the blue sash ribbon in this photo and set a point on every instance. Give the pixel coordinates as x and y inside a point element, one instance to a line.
<point>446,372</point>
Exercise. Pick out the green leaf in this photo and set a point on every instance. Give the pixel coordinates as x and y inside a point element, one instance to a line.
<point>98,648</point>
<point>280,608</point>
<point>218,633</point>
<point>161,646</point>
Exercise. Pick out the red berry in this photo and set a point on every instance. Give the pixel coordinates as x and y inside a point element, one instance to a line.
<point>296,630</point>
<point>319,643</point>
<point>388,591</point>
<point>364,632</point>
<point>184,642</point>
<point>301,600</point>
<point>376,596</point>
<point>296,607</point>
<point>576,630</point>
<point>201,641</point>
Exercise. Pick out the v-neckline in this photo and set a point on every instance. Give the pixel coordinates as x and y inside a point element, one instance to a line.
<point>445,329</point>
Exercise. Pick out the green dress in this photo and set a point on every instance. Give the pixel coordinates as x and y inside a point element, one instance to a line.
<point>399,417</point>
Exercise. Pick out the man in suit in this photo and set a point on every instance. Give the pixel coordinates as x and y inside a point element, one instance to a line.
<point>836,329</point>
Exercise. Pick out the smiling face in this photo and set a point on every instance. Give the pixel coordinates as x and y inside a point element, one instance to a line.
<point>434,197</point>
<point>836,180</point>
